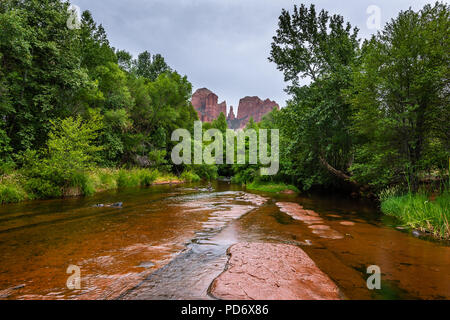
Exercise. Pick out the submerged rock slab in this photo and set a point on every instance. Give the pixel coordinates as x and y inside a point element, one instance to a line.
<point>319,227</point>
<point>329,234</point>
<point>311,218</point>
<point>266,271</point>
<point>297,212</point>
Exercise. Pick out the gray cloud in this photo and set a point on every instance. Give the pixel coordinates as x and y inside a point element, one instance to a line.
<point>220,44</point>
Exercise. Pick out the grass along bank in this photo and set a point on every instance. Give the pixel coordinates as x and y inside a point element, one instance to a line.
<point>271,187</point>
<point>16,187</point>
<point>420,212</point>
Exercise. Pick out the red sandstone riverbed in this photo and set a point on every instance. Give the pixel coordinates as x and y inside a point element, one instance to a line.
<point>170,242</point>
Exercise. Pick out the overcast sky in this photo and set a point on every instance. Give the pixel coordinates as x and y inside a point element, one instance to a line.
<point>220,44</point>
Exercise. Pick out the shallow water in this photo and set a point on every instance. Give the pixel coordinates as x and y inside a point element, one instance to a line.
<point>170,242</point>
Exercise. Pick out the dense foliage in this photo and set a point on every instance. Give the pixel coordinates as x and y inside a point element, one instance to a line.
<point>375,114</point>
<point>70,102</point>
<point>400,99</point>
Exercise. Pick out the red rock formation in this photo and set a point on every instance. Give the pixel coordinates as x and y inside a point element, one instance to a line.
<point>254,107</point>
<point>233,122</point>
<point>267,271</point>
<point>205,103</point>
<point>231,115</point>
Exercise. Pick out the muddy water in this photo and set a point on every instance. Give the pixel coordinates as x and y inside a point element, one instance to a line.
<point>170,243</point>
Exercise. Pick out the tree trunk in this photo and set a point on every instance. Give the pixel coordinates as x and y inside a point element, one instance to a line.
<point>337,173</point>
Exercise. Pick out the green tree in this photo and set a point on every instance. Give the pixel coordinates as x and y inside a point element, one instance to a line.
<point>40,66</point>
<point>150,67</point>
<point>94,49</point>
<point>400,100</point>
<point>71,143</point>
<point>70,152</point>
<point>113,137</point>
<point>323,49</point>
<point>160,107</point>
<point>112,83</point>
<point>125,60</point>
<point>220,123</point>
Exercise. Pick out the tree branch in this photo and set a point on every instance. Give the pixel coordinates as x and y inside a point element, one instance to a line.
<point>341,175</point>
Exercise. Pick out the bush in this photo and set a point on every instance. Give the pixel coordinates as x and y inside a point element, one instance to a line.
<point>64,164</point>
<point>158,160</point>
<point>42,188</point>
<point>205,171</point>
<point>418,211</point>
<point>128,179</point>
<point>46,178</point>
<point>147,177</point>
<point>190,176</point>
<point>136,178</point>
<point>108,179</point>
<point>6,167</point>
<point>167,177</point>
<point>84,182</point>
<point>389,193</point>
<point>11,192</point>
<point>245,176</point>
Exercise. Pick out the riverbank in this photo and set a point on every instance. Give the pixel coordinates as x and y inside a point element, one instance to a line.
<point>16,187</point>
<point>272,187</point>
<point>429,215</point>
<point>421,212</point>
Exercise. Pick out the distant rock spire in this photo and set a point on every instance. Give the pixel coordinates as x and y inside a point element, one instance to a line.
<point>231,115</point>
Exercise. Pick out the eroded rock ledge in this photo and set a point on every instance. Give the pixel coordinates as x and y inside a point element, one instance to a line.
<point>267,271</point>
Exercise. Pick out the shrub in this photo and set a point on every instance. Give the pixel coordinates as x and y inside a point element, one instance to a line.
<point>190,176</point>
<point>42,188</point>
<point>11,192</point>
<point>166,177</point>
<point>245,176</point>
<point>389,193</point>
<point>83,181</point>
<point>205,171</point>
<point>70,153</point>
<point>418,211</point>
<point>128,179</point>
<point>108,180</point>
<point>147,177</point>
<point>6,167</point>
<point>158,160</point>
